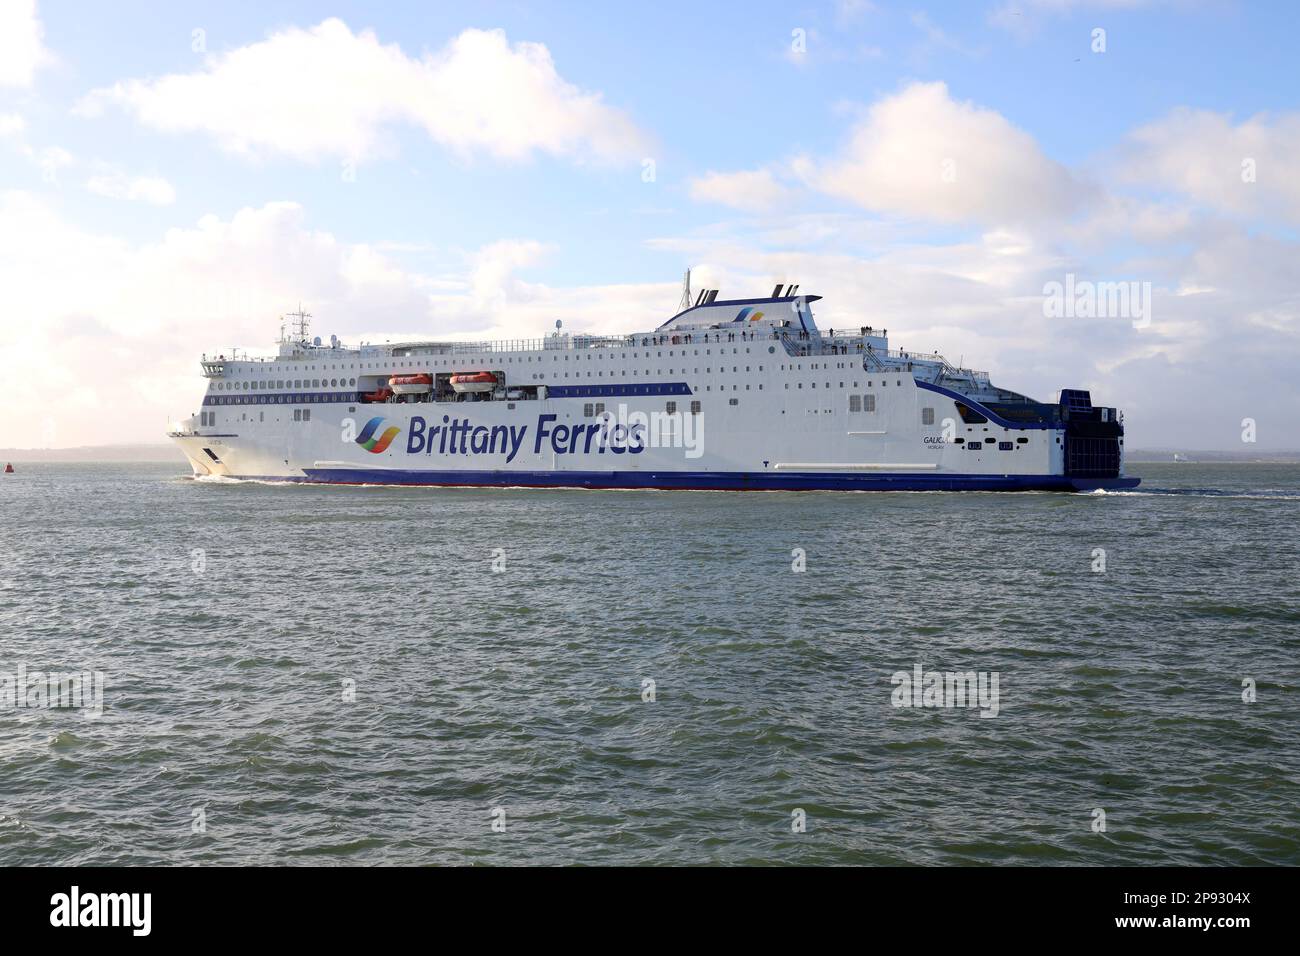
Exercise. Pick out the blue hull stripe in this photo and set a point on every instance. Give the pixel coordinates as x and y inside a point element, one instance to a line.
<point>711,480</point>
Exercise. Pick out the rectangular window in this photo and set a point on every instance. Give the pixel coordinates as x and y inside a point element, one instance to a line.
<point>855,403</point>
<point>588,410</point>
<point>671,408</point>
<point>306,414</point>
<point>927,416</point>
<point>868,403</point>
<point>600,408</point>
<point>695,408</point>
<point>297,414</point>
<point>733,401</point>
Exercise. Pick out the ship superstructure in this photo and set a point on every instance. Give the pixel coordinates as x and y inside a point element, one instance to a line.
<point>727,394</point>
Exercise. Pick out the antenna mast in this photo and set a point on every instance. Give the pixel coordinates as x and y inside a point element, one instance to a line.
<point>301,324</point>
<point>686,293</point>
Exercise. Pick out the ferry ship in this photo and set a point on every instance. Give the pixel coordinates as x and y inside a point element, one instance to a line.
<point>738,394</point>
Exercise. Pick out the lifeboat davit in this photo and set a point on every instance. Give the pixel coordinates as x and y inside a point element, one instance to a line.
<point>473,381</point>
<point>420,384</point>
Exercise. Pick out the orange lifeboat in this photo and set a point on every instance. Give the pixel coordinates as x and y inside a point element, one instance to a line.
<point>473,382</point>
<point>420,384</point>
<point>9,469</point>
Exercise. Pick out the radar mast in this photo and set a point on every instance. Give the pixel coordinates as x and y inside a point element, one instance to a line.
<point>300,326</point>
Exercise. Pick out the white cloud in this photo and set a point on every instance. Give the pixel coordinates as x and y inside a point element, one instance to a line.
<point>754,190</point>
<point>922,154</point>
<point>939,41</point>
<point>116,185</point>
<point>22,50</point>
<point>1230,303</point>
<point>125,322</point>
<point>1244,169</point>
<point>327,92</point>
<point>1024,17</point>
<point>11,124</point>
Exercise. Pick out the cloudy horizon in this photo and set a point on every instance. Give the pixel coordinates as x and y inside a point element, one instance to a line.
<point>171,184</point>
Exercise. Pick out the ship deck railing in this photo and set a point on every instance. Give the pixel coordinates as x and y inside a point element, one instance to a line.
<point>795,343</point>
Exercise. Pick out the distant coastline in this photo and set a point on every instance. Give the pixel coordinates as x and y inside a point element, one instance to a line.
<point>1149,456</point>
<point>141,453</point>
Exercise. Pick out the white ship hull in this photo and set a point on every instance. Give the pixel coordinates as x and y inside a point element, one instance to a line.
<point>688,406</point>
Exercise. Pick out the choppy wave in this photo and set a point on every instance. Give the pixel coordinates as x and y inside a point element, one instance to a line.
<point>353,677</point>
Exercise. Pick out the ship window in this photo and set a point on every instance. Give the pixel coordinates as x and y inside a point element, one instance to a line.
<point>588,410</point>
<point>600,408</point>
<point>855,403</point>
<point>306,414</point>
<point>695,408</point>
<point>974,446</point>
<point>670,408</point>
<point>927,416</point>
<point>1005,446</point>
<point>297,414</point>
<point>868,403</point>
<point>1022,441</point>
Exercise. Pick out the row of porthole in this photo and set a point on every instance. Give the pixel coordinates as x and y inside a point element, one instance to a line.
<point>299,383</point>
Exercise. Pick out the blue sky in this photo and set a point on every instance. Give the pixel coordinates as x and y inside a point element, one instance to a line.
<point>458,170</point>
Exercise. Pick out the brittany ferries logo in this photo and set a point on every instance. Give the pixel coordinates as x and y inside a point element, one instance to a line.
<point>370,443</point>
